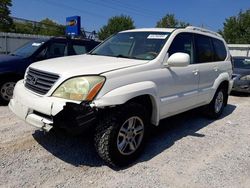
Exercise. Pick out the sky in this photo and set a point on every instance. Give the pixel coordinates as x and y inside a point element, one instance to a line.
<point>95,13</point>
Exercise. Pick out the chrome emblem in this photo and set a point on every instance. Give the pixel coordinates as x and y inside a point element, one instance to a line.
<point>33,80</point>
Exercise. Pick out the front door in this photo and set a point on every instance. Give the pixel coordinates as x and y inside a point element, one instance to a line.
<point>179,90</point>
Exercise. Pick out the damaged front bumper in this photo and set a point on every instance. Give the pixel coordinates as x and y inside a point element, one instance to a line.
<point>48,112</point>
<point>75,117</point>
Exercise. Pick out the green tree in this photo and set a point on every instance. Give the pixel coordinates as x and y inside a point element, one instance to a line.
<point>22,27</point>
<point>169,20</point>
<point>237,28</point>
<point>44,27</point>
<point>114,25</point>
<point>6,22</point>
<point>49,27</point>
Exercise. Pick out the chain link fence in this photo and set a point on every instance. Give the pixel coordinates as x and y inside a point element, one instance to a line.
<point>27,30</point>
<point>11,41</point>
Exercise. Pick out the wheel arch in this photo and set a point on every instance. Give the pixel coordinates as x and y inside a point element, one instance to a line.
<point>222,81</point>
<point>151,106</point>
<point>144,93</point>
<point>10,75</point>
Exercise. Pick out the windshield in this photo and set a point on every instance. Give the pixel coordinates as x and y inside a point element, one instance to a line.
<point>28,49</point>
<point>134,45</point>
<point>242,63</point>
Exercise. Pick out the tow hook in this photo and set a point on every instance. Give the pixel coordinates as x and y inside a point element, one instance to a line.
<point>46,125</point>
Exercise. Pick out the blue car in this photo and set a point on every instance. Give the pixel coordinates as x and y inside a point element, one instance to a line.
<point>13,65</point>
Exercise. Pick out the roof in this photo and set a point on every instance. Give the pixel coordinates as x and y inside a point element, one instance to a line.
<point>169,30</point>
<point>239,45</point>
<point>75,39</point>
<point>241,57</point>
<point>40,40</point>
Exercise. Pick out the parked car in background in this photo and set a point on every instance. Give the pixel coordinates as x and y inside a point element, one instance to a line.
<point>13,65</point>
<point>128,83</point>
<point>241,74</point>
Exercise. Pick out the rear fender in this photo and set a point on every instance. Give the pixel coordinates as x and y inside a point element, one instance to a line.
<point>221,78</point>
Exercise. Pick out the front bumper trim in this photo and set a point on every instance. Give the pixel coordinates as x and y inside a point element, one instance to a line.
<point>39,122</point>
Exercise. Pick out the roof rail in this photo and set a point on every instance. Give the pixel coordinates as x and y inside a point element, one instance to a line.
<point>203,30</point>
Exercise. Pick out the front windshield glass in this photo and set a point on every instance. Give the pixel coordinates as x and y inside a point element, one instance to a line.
<point>134,45</point>
<point>242,63</point>
<point>28,49</point>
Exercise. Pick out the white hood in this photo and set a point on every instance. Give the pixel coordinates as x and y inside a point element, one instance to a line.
<point>84,64</point>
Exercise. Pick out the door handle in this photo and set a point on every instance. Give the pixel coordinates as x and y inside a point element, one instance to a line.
<point>215,69</point>
<point>195,72</point>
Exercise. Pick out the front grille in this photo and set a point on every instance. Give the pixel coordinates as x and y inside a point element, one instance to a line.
<point>40,81</point>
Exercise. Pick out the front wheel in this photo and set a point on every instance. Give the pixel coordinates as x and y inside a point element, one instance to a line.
<point>120,136</point>
<point>215,108</point>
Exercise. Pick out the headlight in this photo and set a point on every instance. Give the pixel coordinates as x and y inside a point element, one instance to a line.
<point>80,88</point>
<point>247,77</point>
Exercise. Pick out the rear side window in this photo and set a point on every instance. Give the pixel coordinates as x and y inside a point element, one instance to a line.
<point>220,50</point>
<point>204,49</point>
<point>56,50</point>
<point>79,49</point>
<point>183,42</point>
<point>52,50</point>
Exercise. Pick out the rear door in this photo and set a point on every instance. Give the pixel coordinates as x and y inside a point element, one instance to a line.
<point>209,70</point>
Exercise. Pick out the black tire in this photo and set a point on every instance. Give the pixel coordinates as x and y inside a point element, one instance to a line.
<point>4,94</point>
<point>210,109</point>
<point>108,127</point>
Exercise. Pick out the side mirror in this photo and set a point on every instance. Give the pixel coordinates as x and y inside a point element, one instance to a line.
<point>178,60</point>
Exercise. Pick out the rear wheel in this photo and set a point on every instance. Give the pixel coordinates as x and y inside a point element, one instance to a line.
<point>120,136</point>
<point>215,108</point>
<point>6,90</point>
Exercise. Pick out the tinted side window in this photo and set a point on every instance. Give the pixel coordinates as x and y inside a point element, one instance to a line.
<point>56,50</point>
<point>220,50</point>
<point>204,49</point>
<point>183,42</point>
<point>79,49</point>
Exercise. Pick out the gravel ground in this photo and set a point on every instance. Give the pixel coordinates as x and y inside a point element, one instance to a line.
<point>187,150</point>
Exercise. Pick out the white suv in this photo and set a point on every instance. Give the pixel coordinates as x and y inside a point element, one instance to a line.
<point>128,83</point>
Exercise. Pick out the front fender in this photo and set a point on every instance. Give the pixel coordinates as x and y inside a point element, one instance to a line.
<point>4,71</point>
<point>123,94</point>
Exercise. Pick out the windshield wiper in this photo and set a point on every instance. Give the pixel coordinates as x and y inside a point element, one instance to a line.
<point>93,54</point>
<point>15,55</point>
<point>129,57</point>
<point>119,55</point>
<point>122,56</point>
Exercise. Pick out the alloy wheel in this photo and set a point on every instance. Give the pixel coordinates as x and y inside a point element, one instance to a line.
<point>130,135</point>
<point>7,90</point>
<point>219,101</point>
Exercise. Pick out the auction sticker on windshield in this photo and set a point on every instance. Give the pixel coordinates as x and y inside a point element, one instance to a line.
<point>156,36</point>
